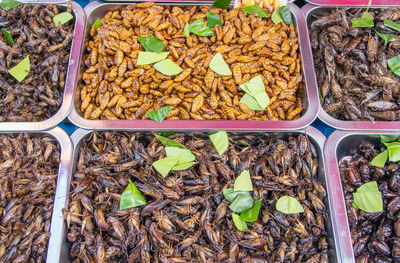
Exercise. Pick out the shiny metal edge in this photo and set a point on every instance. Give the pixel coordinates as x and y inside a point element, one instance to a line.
<point>336,189</point>
<point>70,79</point>
<point>315,135</point>
<point>325,117</point>
<point>311,94</point>
<point>355,2</point>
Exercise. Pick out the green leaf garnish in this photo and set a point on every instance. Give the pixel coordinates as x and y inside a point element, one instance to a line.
<point>239,223</point>
<point>159,114</point>
<point>218,65</point>
<point>168,142</point>
<point>213,19</point>
<point>391,24</point>
<point>386,37</point>
<point>165,165</point>
<point>21,70</point>
<point>223,4</point>
<point>241,203</point>
<point>368,198</point>
<point>183,166</point>
<point>366,20</point>
<point>250,102</point>
<point>257,10</point>
<point>230,194</point>
<point>289,205</point>
<point>168,67</point>
<point>183,155</point>
<point>394,151</point>
<point>8,37</point>
<point>198,28</point>
<point>146,58</point>
<point>152,44</point>
<point>251,215</point>
<point>220,141</point>
<point>380,159</point>
<point>62,18</point>
<point>131,197</point>
<point>243,182</point>
<point>9,4</point>
<point>394,65</point>
<point>256,89</point>
<point>167,133</point>
<point>276,16</point>
<point>286,15</point>
<point>97,24</point>
<point>388,138</point>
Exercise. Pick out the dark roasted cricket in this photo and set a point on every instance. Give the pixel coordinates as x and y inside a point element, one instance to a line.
<point>39,96</point>
<point>376,236</point>
<point>354,79</point>
<point>186,218</point>
<point>28,173</point>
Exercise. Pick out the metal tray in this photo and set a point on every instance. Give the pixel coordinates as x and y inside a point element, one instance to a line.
<point>61,253</point>
<point>338,145</point>
<point>70,79</point>
<point>308,11</point>
<point>355,2</point>
<point>96,10</point>
<point>62,180</point>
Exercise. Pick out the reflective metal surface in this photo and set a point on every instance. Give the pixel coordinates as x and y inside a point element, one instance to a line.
<point>355,2</point>
<point>309,11</point>
<point>70,79</point>
<point>96,10</point>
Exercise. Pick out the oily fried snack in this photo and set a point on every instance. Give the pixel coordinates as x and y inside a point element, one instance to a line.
<point>28,174</point>
<point>115,88</point>
<point>376,236</point>
<point>39,96</point>
<point>355,82</point>
<point>186,218</point>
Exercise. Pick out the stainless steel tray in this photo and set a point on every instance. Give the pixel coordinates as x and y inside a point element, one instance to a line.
<point>96,10</point>
<point>355,2</point>
<point>70,79</point>
<point>60,194</point>
<point>61,251</point>
<point>338,145</point>
<point>309,11</point>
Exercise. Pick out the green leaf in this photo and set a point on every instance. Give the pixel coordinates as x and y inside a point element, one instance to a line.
<point>223,4</point>
<point>97,24</point>
<point>151,44</point>
<point>146,58</point>
<point>183,155</point>
<point>186,30</point>
<point>159,114</point>
<point>199,28</point>
<point>243,182</point>
<point>386,37</point>
<point>391,24</point>
<point>168,133</point>
<point>220,141</point>
<point>257,10</point>
<point>380,159</point>
<point>239,223</point>
<point>230,194</point>
<point>388,138</point>
<point>368,198</point>
<point>241,203</point>
<point>250,102</point>
<point>131,197</point>
<point>218,65</point>
<point>8,37</point>
<point>394,65</point>
<point>289,205</point>
<point>9,4</point>
<point>256,89</point>
<point>276,16</point>
<point>366,20</point>
<point>168,67</point>
<point>168,142</point>
<point>394,151</point>
<point>213,19</point>
<point>21,70</point>
<point>165,165</point>
<point>62,18</point>
<point>251,215</point>
<point>183,166</point>
<point>286,15</point>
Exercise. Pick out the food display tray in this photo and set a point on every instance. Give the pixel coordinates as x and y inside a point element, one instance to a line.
<point>355,2</point>
<point>338,145</point>
<point>309,11</point>
<point>70,79</point>
<point>95,10</point>
<point>61,250</point>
